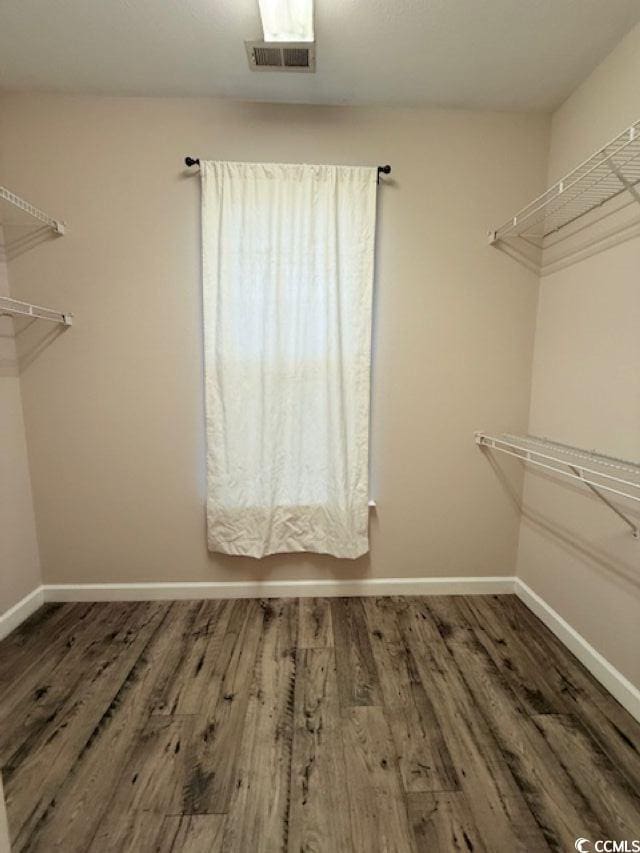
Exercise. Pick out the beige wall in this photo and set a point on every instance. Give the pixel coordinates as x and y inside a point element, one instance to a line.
<point>114,407</point>
<point>573,551</point>
<point>19,562</point>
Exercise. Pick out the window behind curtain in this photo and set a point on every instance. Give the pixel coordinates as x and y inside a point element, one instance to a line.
<point>288,272</point>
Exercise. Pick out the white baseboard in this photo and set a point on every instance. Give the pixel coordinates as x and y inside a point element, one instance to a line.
<point>15,615</point>
<point>278,589</point>
<point>611,679</point>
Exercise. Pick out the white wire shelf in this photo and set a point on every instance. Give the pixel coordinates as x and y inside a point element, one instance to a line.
<point>595,470</point>
<point>15,308</point>
<point>610,172</point>
<point>31,212</point>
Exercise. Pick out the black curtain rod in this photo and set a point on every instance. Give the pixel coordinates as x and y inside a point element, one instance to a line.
<point>194,161</point>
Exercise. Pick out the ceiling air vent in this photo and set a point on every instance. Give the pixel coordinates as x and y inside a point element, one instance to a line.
<point>281,56</point>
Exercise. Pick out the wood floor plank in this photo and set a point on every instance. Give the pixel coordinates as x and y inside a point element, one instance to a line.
<point>318,774</point>
<point>336,725</point>
<point>357,674</point>
<point>259,806</point>
<point>26,644</point>
<point>70,823</point>
<point>499,809</point>
<point>200,689</point>
<point>150,786</point>
<point>418,619</point>
<point>558,806</point>
<point>381,614</point>
<point>395,671</point>
<point>525,672</point>
<point>615,803</point>
<point>194,674</point>
<point>443,822</point>
<point>451,616</point>
<point>423,756</point>
<point>315,629</point>
<point>33,632</point>
<point>378,810</point>
<point>25,675</point>
<point>607,721</point>
<point>34,708</point>
<point>139,831</point>
<point>219,731</point>
<point>221,655</point>
<point>59,745</point>
<point>200,833</point>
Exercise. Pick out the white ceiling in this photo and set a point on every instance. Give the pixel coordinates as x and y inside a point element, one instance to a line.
<point>501,54</point>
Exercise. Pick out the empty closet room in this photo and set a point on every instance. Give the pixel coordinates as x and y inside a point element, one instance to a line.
<point>319,426</point>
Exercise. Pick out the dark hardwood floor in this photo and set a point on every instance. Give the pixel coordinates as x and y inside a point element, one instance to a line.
<point>388,724</point>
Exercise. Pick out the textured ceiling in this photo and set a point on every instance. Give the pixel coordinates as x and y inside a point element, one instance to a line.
<point>502,54</point>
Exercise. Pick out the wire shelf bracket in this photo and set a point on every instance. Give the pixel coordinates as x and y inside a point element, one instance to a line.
<point>26,207</point>
<point>15,308</point>
<point>598,472</point>
<point>610,172</point>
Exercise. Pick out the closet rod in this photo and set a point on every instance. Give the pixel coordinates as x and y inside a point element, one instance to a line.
<point>195,161</point>
<point>526,448</point>
<point>15,308</point>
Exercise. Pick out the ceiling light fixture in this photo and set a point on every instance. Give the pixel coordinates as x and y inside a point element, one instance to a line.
<point>287,20</point>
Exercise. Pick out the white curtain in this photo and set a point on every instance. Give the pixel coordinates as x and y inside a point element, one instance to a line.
<point>287,276</point>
